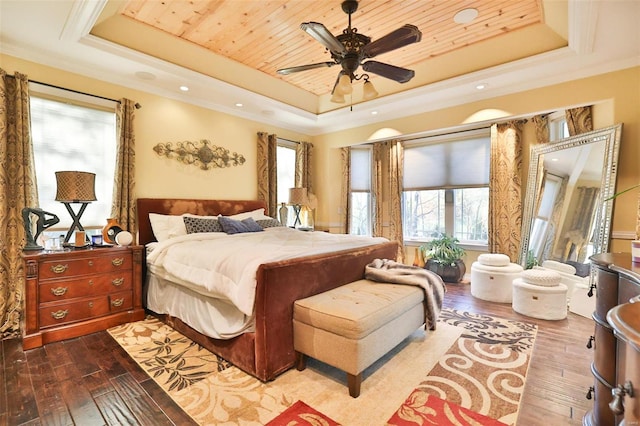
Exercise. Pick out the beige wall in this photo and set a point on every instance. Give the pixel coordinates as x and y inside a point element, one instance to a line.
<point>616,97</point>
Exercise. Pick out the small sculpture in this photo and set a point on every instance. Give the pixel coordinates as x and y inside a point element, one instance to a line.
<point>42,223</point>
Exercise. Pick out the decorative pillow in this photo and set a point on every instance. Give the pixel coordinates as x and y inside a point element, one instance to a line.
<point>196,225</point>
<point>269,223</point>
<point>232,226</point>
<point>257,214</point>
<point>166,226</point>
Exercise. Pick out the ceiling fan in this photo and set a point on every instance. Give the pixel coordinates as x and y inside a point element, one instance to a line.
<point>351,50</point>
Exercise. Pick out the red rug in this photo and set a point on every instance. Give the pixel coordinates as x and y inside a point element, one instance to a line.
<point>424,409</point>
<point>300,414</point>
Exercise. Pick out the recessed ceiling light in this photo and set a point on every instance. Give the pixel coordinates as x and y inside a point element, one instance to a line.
<point>374,112</point>
<point>239,105</point>
<point>465,16</point>
<point>481,86</point>
<point>184,88</point>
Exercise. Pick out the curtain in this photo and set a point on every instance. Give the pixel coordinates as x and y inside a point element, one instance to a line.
<point>303,166</point>
<point>388,159</point>
<point>345,155</point>
<point>123,206</point>
<point>579,120</point>
<point>268,172</point>
<point>505,183</point>
<point>18,189</point>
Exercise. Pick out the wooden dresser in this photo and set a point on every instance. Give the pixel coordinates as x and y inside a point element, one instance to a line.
<point>617,283</point>
<point>73,293</point>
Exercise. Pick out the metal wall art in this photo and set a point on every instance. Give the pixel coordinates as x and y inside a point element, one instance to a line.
<point>201,153</point>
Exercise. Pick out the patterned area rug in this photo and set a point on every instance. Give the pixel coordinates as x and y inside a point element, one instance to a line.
<point>470,370</point>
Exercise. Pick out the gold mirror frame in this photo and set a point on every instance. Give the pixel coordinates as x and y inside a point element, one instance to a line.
<point>611,137</point>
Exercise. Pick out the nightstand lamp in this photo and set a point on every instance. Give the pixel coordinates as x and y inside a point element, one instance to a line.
<point>75,187</point>
<point>299,198</point>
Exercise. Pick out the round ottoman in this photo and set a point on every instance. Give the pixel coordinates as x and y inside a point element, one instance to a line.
<point>538,293</point>
<point>492,277</point>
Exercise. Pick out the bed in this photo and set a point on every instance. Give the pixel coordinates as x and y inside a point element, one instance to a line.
<point>265,349</point>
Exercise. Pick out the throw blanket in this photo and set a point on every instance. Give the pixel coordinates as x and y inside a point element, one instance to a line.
<point>390,271</point>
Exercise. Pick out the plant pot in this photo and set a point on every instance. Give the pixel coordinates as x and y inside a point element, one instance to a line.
<point>448,273</point>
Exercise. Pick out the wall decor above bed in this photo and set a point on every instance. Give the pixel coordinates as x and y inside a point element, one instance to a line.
<point>201,153</point>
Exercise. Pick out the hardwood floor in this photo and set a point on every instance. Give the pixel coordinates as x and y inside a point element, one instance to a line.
<point>91,381</point>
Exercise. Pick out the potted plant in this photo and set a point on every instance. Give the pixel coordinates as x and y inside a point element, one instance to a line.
<point>443,255</point>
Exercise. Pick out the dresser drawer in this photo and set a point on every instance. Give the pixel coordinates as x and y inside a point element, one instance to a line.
<point>84,266</point>
<point>120,301</point>
<point>86,286</point>
<point>62,313</point>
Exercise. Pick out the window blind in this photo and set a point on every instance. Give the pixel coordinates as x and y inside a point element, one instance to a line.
<point>361,169</point>
<point>460,163</point>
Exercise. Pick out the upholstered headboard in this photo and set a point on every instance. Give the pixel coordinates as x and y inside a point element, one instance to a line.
<point>178,206</point>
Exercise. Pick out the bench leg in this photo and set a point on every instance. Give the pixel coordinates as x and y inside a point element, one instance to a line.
<point>301,361</point>
<point>354,384</point>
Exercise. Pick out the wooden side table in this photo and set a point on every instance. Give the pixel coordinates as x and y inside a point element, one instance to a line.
<point>78,292</point>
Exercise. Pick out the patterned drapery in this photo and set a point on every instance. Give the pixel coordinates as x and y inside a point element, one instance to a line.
<point>303,166</point>
<point>388,159</point>
<point>505,183</point>
<point>345,208</point>
<point>18,189</point>
<point>579,120</point>
<point>123,206</point>
<point>268,171</point>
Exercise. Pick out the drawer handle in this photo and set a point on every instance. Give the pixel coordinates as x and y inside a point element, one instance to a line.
<point>59,314</point>
<point>618,393</point>
<point>91,263</point>
<point>91,304</point>
<point>59,269</point>
<point>59,291</point>
<point>117,281</point>
<point>117,262</point>
<point>117,302</point>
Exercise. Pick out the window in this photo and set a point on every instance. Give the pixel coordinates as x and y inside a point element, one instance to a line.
<point>558,128</point>
<point>360,191</point>
<point>286,164</point>
<point>446,187</point>
<point>68,136</point>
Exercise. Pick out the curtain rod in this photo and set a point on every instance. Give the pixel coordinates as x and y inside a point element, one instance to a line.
<point>136,105</point>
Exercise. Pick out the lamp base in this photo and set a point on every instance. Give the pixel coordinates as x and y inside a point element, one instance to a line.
<point>76,219</point>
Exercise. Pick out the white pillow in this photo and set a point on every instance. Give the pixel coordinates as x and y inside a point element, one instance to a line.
<point>166,226</point>
<point>257,214</point>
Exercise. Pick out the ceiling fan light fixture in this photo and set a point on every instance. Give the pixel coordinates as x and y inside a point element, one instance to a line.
<point>337,98</point>
<point>344,85</point>
<point>368,91</point>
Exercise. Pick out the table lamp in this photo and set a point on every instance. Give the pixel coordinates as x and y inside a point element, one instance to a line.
<point>75,187</point>
<point>297,199</point>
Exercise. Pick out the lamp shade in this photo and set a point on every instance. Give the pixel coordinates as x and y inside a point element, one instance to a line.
<point>369,92</point>
<point>75,187</point>
<point>344,85</point>
<point>298,196</point>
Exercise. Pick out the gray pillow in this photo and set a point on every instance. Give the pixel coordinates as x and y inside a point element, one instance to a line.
<point>268,223</point>
<point>196,225</point>
<point>232,226</point>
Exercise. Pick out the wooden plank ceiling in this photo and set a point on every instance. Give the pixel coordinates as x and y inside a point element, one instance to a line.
<point>266,35</point>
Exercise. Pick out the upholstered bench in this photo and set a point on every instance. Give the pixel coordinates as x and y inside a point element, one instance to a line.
<point>538,293</point>
<point>352,326</point>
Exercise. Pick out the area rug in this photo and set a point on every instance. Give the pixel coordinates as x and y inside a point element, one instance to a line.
<point>475,364</point>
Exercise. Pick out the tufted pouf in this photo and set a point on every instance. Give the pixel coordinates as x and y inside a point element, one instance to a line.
<point>492,277</point>
<point>538,293</point>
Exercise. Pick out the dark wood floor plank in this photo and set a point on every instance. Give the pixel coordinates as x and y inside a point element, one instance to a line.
<point>21,401</point>
<point>139,402</point>
<point>81,405</point>
<point>170,408</point>
<point>114,410</point>
<point>51,408</point>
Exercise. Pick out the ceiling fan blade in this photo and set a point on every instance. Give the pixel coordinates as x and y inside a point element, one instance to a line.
<point>403,36</point>
<point>285,71</point>
<point>401,75</point>
<point>324,36</point>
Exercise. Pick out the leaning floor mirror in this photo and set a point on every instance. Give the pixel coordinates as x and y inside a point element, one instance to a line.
<point>567,216</point>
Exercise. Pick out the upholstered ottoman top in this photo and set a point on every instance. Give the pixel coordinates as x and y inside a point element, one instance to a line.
<point>541,277</point>
<point>559,266</point>
<point>494,259</point>
<point>356,309</point>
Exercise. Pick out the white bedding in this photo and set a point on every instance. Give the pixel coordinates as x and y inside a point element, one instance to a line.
<point>224,266</point>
